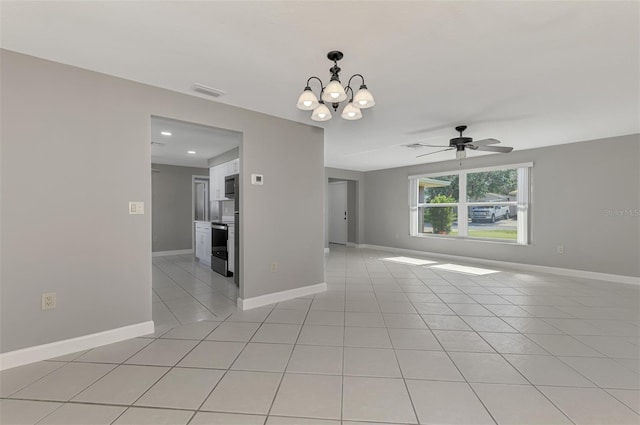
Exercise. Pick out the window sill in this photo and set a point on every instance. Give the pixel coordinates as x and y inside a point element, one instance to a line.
<point>468,239</point>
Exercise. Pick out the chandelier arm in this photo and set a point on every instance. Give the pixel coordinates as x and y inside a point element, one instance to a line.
<point>352,77</point>
<point>349,88</point>
<point>314,77</point>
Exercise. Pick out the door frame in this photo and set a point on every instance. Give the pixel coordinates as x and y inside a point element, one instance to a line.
<point>346,207</point>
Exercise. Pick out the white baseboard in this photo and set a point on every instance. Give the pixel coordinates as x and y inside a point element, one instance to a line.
<point>176,252</point>
<point>352,244</point>
<point>517,266</point>
<point>60,348</point>
<point>277,297</point>
<point>326,250</point>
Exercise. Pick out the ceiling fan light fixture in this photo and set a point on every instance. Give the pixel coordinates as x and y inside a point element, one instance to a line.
<point>363,98</point>
<point>351,112</point>
<point>307,100</point>
<point>321,113</point>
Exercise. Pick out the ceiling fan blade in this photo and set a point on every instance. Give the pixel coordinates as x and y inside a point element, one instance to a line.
<point>431,153</point>
<point>437,146</point>
<point>485,142</point>
<point>502,149</point>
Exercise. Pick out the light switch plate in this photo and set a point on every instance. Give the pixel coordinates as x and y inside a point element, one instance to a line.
<point>136,207</point>
<point>257,179</point>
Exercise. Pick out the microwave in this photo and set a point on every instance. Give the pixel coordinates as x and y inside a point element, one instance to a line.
<point>231,186</point>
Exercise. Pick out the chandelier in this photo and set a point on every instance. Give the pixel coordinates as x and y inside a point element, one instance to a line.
<point>334,93</point>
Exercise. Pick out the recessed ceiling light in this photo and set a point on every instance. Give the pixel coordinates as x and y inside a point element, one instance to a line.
<point>191,152</point>
<point>165,133</point>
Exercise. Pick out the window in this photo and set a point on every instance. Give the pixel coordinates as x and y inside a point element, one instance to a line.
<point>488,203</point>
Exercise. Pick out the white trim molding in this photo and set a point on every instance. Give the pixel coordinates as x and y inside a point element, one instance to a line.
<point>60,348</point>
<point>277,297</point>
<point>632,280</point>
<point>175,252</point>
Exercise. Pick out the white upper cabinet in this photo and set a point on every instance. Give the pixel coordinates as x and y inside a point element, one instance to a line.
<point>217,175</point>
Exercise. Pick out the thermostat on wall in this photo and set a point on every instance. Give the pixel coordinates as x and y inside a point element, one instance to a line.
<point>257,179</point>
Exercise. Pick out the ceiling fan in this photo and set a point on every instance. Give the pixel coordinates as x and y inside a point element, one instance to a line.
<point>460,144</point>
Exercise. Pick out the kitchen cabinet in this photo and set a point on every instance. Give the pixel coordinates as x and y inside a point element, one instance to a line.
<point>217,175</point>
<point>230,248</point>
<point>203,242</point>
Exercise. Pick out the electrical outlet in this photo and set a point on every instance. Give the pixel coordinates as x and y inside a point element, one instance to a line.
<point>560,249</point>
<point>274,267</point>
<point>48,300</point>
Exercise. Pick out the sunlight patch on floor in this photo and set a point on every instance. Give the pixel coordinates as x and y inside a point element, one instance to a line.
<point>409,261</point>
<point>465,269</point>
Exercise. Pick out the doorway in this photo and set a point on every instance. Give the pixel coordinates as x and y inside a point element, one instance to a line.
<point>338,213</point>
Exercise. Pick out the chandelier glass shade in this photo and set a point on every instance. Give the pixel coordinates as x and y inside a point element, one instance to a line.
<point>334,93</point>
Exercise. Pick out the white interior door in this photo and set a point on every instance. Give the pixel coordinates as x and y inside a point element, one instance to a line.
<point>338,213</point>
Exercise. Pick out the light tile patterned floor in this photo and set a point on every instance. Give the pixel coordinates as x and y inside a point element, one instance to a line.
<point>391,341</point>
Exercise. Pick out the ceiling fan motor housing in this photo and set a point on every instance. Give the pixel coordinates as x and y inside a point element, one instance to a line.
<point>459,142</point>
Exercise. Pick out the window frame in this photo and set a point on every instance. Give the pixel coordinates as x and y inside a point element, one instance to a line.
<point>522,203</point>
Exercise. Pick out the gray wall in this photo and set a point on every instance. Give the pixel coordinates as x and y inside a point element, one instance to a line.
<point>225,157</point>
<point>172,206</point>
<point>573,185</point>
<point>355,195</point>
<point>87,135</point>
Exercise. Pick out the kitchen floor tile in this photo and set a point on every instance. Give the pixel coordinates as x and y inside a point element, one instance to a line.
<point>263,357</point>
<point>376,399</point>
<point>313,396</point>
<point>604,372</point>
<point>519,405</point>
<point>364,320</point>
<point>470,310</point>
<point>162,352</point>
<point>507,343</point>
<point>212,354</point>
<point>487,324</point>
<point>486,368</point>
<point>371,362</point>
<point>277,333</point>
<point>327,318</point>
<point>295,304</point>
<point>197,330</point>
<point>441,402</point>
<point>531,325</point>
<point>12,380</point>
<point>282,420</point>
<point>433,365</point>
<point>404,321</point>
<point>416,339</point>
<point>321,335</point>
<point>145,416</point>
<point>244,392</point>
<point>255,315</point>
<point>319,359</point>
<point>611,346</point>
<point>234,331</point>
<point>114,353</point>
<point>181,389</point>
<point>436,308</point>
<point>462,341</point>
<point>366,337</point>
<point>448,323</point>
<point>123,385</point>
<point>631,398</point>
<point>547,370</point>
<point>590,406</point>
<point>25,412</point>
<point>65,382</point>
<point>207,418</point>
<point>281,315</point>
<point>83,414</point>
<point>563,345</point>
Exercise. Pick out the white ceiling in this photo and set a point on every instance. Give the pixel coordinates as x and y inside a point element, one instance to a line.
<point>530,74</point>
<point>207,142</point>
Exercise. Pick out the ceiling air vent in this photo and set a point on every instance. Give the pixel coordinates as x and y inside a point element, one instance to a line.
<point>209,91</point>
<point>414,145</point>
